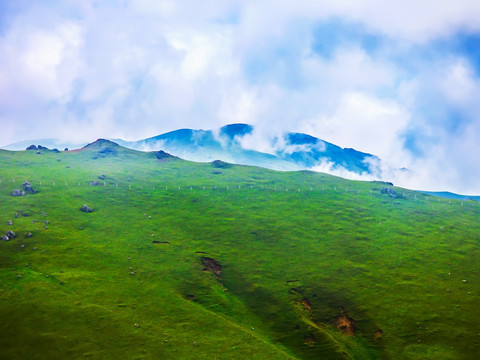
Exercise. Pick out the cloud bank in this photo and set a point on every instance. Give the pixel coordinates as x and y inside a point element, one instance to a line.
<point>398,79</point>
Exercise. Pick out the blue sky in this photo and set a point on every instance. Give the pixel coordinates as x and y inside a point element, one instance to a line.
<point>399,79</point>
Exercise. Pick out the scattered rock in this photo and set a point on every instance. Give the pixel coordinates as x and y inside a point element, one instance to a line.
<point>28,188</point>
<point>106,151</point>
<point>102,177</point>
<point>94,183</point>
<point>136,325</point>
<point>31,147</point>
<point>9,235</point>
<point>9,222</point>
<point>38,153</point>
<point>17,192</point>
<point>15,216</point>
<point>29,235</point>
<point>86,209</point>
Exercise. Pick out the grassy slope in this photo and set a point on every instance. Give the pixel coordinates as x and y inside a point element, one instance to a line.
<point>394,264</point>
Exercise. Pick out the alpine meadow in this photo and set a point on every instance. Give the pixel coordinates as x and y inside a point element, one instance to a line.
<point>113,253</point>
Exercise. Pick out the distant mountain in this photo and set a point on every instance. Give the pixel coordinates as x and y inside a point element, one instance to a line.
<point>450,195</point>
<point>209,145</point>
<point>49,143</point>
<point>288,152</point>
<point>292,151</point>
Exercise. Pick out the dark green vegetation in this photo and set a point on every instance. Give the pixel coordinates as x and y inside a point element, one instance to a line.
<point>181,260</point>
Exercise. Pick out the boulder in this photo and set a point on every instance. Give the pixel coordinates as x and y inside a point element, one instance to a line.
<point>9,222</point>
<point>56,150</point>
<point>5,238</point>
<point>28,188</point>
<point>18,192</point>
<point>40,147</point>
<point>29,235</point>
<point>10,234</point>
<point>66,149</point>
<point>94,183</point>
<point>31,147</point>
<point>102,177</point>
<point>86,209</point>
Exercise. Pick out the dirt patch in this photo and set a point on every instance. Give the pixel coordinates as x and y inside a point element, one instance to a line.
<point>306,304</point>
<point>212,265</point>
<point>309,340</point>
<point>345,324</point>
<point>378,335</point>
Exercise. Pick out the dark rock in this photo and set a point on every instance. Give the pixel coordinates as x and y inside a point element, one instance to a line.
<point>38,153</point>
<point>15,216</point>
<point>5,238</point>
<point>66,149</point>
<point>55,150</point>
<point>9,222</point>
<point>94,183</point>
<point>86,209</point>
<point>102,177</point>
<point>10,234</point>
<point>40,147</point>
<point>29,235</point>
<point>106,151</point>
<point>31,147</point>
<point>18,192</point>
<point>29,188</point>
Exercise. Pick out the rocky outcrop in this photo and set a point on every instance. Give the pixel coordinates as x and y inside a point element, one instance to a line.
<point>9,235</point>
<point>86,209</point>
<point>17,192</point>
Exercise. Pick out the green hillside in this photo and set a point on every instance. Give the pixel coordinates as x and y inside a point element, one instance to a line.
<point>181,260</point>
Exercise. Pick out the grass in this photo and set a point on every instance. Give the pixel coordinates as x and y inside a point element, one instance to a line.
<point>392,264</point>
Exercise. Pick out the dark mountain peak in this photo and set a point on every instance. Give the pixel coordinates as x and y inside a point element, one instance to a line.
<point>233,130</point>
<point>100,143</point>
<point>300,139</point>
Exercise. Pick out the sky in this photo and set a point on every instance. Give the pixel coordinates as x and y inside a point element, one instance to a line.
<point>399,79</point>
